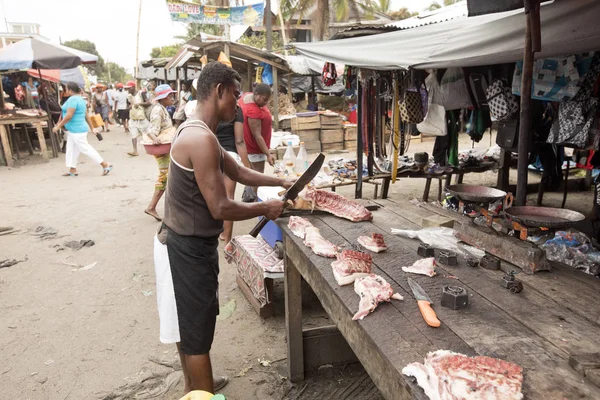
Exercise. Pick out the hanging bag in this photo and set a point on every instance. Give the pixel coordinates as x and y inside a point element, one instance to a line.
<point>434,123</point>
<point>411,108</point>
<point>503,104</point>
<point>454,91</point>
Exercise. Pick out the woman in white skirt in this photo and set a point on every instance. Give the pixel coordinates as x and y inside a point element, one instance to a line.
<point>76,123</point>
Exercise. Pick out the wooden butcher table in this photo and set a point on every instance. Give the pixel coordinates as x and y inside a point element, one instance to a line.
<point>554,318</point>
<point>17,118</point>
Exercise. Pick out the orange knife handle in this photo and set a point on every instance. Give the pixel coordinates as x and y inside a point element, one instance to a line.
<point>428,313</point>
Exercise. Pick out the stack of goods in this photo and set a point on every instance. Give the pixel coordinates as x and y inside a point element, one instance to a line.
<point>286,107</point>
<point>332,131</point>
<point>308,127</point>
<point>350,137</point>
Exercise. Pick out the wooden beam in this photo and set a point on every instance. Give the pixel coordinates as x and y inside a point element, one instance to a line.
<point>6,146</point>
<point>275,99</point>
<point>247,53</point>
<point>293,319</point>
<point>524,123</point>
<point>250,77</point>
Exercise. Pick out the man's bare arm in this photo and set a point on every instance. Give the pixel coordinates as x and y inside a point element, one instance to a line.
<point>212,186</point>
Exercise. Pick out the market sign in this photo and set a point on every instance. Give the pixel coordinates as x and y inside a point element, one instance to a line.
<point>204,14</point>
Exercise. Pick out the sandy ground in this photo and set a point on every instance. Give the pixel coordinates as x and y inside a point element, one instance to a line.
<point>68,332</point>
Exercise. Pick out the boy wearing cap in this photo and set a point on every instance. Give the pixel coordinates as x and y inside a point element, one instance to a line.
<point>195,206</point>
<point>138,123</point>
<point>120,99</point>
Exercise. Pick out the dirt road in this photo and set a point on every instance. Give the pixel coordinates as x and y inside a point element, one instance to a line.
<point>82,324</point>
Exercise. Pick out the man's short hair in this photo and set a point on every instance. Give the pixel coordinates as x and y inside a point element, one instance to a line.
<point>213,74</point>
<point>262,88</point>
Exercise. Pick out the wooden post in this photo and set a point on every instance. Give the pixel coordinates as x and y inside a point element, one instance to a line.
<point>275,99</point>
<point>290,87</point>
<point>293,320</point>
<point>6,146</point>
<point>268,25</point>
<point>359,142</point>
<point>250,77</point>
<point>504,171</point>
<point>137,44</point>
<point>524,122</point>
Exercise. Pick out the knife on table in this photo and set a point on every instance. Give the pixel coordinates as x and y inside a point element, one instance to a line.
<point>424,303</point>
<point>292,192</point>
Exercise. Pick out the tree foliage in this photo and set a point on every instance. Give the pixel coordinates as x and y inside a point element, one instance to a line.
<point>165,51</point>
<point>259,40</point>
<point>450,2</point>
<point>194,29</point>
<point>88,47</point>
<point>383,6</point>
<point>402,13</point>
<point>117,73</point>
<point>434,6</point>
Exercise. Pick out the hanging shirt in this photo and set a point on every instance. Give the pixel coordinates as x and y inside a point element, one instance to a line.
<point>78,123</point>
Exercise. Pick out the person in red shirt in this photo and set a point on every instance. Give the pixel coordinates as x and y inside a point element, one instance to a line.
<point>257,126</point>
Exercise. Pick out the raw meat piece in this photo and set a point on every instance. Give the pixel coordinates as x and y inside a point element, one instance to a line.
<point>337,205</point>
<point>374,243</point>
<point>298,226</point>
<point>372,289</point>
<point>350,265</point>
<point>302,228</point>
<point>446,375</point>
<point>424,266</point>
<point>318,244</point>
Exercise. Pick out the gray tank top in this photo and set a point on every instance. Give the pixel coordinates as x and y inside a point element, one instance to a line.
<point>186,211</point>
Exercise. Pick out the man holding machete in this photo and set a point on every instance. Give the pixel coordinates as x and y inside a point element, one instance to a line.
<point>196,204</point>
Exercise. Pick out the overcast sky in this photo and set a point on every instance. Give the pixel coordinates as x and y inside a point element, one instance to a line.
<point>112,24</point>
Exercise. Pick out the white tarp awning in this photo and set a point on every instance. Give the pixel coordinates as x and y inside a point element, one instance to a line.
<point>568,27</point>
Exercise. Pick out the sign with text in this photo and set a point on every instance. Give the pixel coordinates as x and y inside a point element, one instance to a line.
<point>244,15</point>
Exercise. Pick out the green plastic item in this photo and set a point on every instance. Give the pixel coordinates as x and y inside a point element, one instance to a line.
<point>218,397</point>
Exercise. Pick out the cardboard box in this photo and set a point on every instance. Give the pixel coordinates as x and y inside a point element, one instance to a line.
<point>332,136</point>
<point>313,135</point>
<point>332,146</point>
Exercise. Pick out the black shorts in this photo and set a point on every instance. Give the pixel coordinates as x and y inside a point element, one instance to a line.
<point>123,114</point>
<point>195,270</point>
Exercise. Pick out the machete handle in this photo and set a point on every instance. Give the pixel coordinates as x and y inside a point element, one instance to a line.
<point>428,314</point>
<point>261,224</point>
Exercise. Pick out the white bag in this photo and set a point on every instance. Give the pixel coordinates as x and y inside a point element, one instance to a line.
<point>454,91</point>
<point>434,123</point>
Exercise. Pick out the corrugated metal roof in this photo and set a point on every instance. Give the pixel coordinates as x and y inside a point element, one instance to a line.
<point>454,11</point>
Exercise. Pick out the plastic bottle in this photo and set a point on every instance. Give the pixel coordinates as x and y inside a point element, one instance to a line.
<point>289,160</point>
<point>302,161</point>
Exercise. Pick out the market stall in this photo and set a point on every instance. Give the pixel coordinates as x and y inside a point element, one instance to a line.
<point>39,55</point>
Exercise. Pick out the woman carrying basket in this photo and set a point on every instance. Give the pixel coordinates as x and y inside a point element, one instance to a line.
<point>157,142</point>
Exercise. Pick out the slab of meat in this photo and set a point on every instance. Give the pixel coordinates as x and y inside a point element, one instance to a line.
<point>372,289</point>
<point>298,226</point>
<point>350,265</point>
<point>318,244</point>
<point>374,243</point>
<point>424,266</point>
<point>446,375</point>
<point>338,205</point>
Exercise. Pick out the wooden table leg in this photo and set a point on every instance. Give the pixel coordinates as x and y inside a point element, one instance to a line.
<point>460,178</point>
<point>14,138</point>
<point>440,189</point>
<point>386,188</point>
<point>6,146</point>
<point>293,321</point>
<point>27,139</point>
<point>40,133</point>
<point>426,192</point>
<point>448,180</point>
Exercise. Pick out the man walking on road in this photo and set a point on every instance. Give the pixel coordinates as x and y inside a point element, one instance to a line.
<point>195,206</point>
<point>120,107</point>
